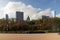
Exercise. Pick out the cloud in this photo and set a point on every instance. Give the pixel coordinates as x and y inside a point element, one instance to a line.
<point>47,12</point>
<point>1,13</point>
<point>58,15</point>
<point>28,10</point>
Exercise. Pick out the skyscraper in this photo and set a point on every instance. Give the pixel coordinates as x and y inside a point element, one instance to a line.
<point>45,17</point>
<point>53,13</point>
<point>6,16</point>
<point>7,21</point>
<point>19,16</point>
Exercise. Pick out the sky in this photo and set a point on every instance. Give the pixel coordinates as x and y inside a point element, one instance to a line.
<point>32,8</point>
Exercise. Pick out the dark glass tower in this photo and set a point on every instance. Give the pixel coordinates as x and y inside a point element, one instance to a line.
<point>45,17</point>
<point>19,16</point>
<point>6,16</point>
<point>7,21</point>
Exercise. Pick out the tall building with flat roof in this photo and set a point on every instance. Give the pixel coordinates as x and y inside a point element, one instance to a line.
<point>19,16</point>
<point>6,16</point>
<point>7,21</point>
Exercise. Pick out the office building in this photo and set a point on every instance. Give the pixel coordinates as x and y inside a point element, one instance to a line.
<point>19,16</point>
<point>45,17</point>
<point>6,16</point>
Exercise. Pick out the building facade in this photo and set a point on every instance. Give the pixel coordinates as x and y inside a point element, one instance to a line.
<point>45,17</point>
<point>6,16</point>
<point>19,16</point>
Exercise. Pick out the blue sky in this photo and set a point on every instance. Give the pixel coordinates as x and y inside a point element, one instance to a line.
<point>43,4</point>
<point>54,4</point>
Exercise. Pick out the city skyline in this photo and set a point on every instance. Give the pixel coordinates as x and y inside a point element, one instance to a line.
<point>30,8</point>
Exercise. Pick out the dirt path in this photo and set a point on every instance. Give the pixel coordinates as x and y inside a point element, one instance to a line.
<point>46,36</point>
